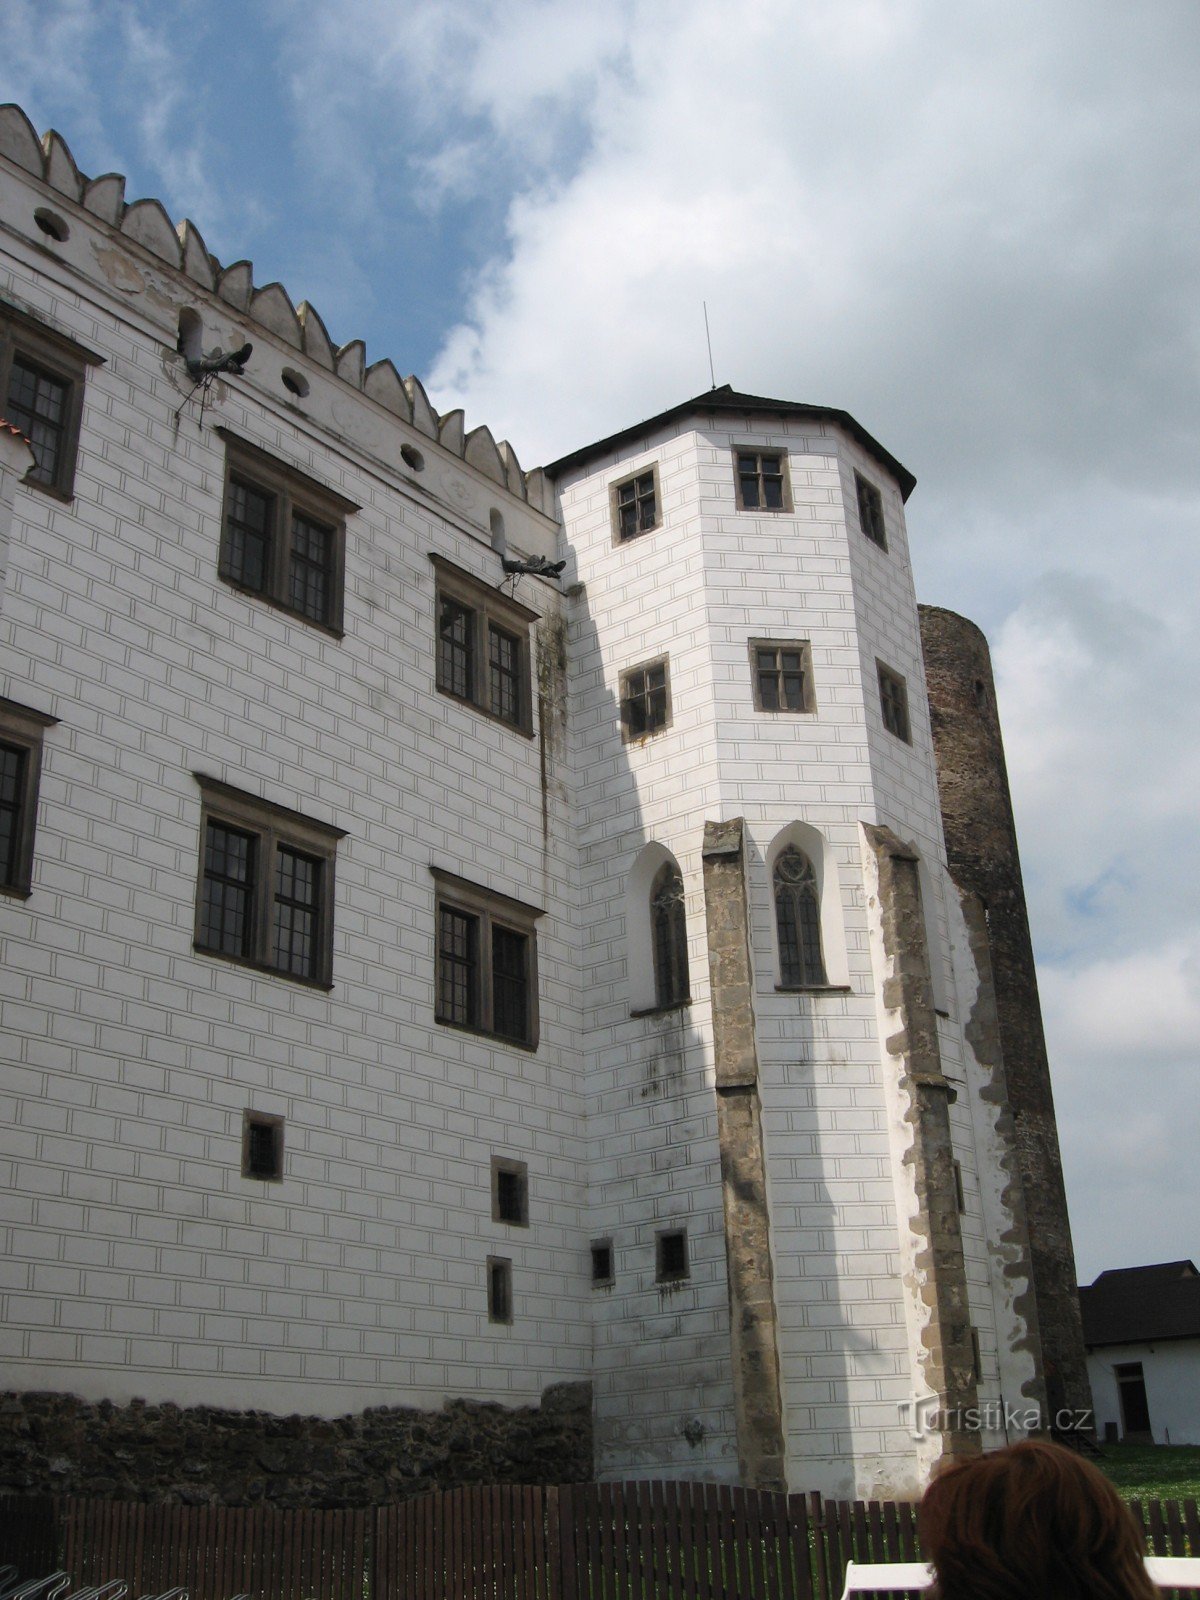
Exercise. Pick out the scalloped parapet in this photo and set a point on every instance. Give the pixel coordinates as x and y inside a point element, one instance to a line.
<point>61,172</point>
<point>383,383</point>
<point>149,224</point>
<point>481,453</point>
<point>182,247</point>
<point>104,197</point>
<point>425,418</point>
<point>197,262</point>
<point>318,346</point>
<point>18,141</point>
<point>271,306</point>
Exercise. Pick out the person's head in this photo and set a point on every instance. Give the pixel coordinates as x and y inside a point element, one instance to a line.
<point>1032,1522</point>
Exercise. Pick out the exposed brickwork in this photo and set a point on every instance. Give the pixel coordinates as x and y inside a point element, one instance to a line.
<point>199,1455</point>
<point>948,1367</point>
<point>753,1330</point>
<point>981,846</point>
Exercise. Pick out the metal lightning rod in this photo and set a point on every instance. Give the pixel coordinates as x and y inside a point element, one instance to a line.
<point>708,338</point>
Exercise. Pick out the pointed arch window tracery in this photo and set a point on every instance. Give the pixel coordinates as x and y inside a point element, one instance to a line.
<point>798,920</point>
<point>669,930</point>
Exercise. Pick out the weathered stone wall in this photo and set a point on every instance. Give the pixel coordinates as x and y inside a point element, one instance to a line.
<point>946,1360</point>
<point>199,1455</point>
<point>981,847</point>
<point>753,1320</point>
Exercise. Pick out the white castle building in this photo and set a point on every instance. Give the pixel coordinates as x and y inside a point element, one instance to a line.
<point>423,974</point>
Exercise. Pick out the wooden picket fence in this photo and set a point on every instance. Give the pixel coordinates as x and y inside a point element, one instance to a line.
<point>618,1541</point>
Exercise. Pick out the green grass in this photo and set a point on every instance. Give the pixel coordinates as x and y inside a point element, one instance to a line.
<point>1153,1471</point>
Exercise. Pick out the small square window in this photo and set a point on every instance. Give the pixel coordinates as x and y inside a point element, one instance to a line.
<point>41,392</point>
<point>262,1146</point>
<point>870,511</point>
<point>486,961</point>
<point>266,885</point>
<point>499,1289</point>
<point>671,1256</point>
<point>483,647</point>
<point>20,764</point>
<point>893,700</point>
<point>283,536</point>
<point>782,673</point>
<point>635,505</point>
<point>645,700</point>
<point>762,480</point>
<point>603,1275</point>
<point>510,1192</point>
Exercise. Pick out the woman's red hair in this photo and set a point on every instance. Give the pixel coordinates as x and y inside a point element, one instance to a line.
<point>1032,1522</point>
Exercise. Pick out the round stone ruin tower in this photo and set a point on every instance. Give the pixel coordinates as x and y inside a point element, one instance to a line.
<point>981,847</point>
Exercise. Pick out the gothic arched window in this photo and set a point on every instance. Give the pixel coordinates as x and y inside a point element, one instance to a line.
<point>669,930</point>
<point>798,919</point>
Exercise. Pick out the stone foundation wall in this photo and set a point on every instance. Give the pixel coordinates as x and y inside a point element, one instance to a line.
<point>199,1455</point>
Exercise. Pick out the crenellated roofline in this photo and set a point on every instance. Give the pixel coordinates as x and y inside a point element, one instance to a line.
<point>181,246</point>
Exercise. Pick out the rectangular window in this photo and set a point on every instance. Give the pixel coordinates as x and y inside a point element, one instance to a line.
<point>870,511</point>
<point>603,1275</point>
<point>782,675</point>
<point>262,1146</point>
<point>283,536</point>
<point>483,647</point>
<point>645,700</point>
<point>671,1256</point>
<point>510,1192</point>
<point>635,503</point>
<point>266,885</point>
<point>486,961</point>
<point>21,731</point>
<point>762,483</point>
<point>499,1289</point>
<point>893,700</point>
<point>41,392</point>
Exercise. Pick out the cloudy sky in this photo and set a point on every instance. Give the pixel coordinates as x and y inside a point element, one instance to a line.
<point>973,225</point>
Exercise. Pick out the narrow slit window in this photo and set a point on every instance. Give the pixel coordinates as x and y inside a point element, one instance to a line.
<point>672,1256</point>
<point>499,1286</point>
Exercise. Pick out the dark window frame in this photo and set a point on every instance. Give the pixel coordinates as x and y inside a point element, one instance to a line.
<point>668,939</point>
<point>803,648</point>
<point>510,1204</point>
<point>802,895</point>
<point>293,498</point>
<point>486,911</point>
<point>777,454</point>
<point>262,1119</point>
<point>21,731</point>
<point>602,1254</point>
<point>24,338</point>
<point>870,510</point>
<point>635,690</point>
<point>620,502</point>
<point>489,613</point>
<point>893,702</point>
<point>275,830</point>
<point>500,1290</point>
<point>666,1242</point>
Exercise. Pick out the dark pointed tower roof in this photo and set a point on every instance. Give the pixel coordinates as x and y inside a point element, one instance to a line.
<point>726,401</point>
